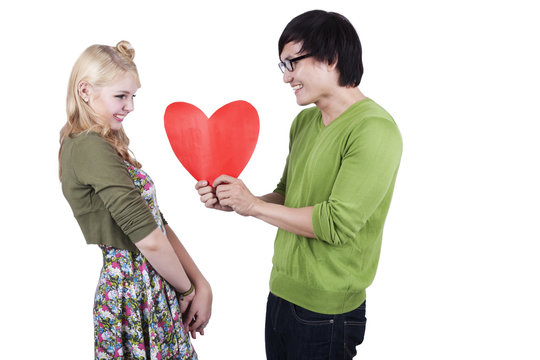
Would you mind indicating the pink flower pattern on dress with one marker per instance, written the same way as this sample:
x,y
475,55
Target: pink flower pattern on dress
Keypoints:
x,y
136,312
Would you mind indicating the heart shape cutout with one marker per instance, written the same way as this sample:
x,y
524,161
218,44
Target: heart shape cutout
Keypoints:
x,y
210,147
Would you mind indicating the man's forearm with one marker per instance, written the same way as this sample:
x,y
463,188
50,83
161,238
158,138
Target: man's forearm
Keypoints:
x,y
273,198
295,220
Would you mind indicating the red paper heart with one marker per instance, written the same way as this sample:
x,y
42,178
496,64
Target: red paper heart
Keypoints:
x,y
208,148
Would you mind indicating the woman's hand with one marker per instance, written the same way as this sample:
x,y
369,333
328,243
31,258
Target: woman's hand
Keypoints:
x,y
199,311
185,301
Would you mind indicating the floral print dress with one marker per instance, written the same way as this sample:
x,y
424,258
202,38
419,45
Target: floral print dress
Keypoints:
x,y
136,312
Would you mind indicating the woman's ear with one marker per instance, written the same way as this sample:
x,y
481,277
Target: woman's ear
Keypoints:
x,y
85,90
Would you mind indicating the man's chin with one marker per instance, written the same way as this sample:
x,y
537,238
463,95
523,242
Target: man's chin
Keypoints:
x,y
303,102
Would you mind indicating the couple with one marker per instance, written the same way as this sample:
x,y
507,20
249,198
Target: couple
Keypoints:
x,y
330,206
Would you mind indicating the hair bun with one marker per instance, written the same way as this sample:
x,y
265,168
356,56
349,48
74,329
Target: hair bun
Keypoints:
x,y
125,49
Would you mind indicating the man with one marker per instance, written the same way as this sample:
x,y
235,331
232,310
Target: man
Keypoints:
x,y
332,200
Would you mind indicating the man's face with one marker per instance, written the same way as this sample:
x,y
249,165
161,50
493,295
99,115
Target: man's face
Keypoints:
x,y
311,80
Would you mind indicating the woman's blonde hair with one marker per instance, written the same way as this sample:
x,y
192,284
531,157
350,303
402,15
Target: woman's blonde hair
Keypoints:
x,y
98,65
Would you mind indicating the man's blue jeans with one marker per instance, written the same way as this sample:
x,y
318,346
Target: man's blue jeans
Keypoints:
x,y
295,333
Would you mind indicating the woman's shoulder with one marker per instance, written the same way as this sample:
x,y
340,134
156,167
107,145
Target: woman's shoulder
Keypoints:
x,y
89,141
89,145
86,137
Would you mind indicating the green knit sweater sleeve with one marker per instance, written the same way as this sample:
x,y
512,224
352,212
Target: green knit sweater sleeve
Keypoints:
x,y
368,170
282,185
97,165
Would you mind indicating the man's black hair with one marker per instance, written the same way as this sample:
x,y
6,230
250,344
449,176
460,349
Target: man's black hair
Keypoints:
x,y
327,36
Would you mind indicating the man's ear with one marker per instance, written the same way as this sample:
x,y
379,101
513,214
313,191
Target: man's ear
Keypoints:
x,y
332,65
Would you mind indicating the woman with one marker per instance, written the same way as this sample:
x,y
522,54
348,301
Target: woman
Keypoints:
x,y
148,280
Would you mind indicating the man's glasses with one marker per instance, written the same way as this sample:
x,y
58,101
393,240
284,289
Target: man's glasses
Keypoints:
x,y
288,63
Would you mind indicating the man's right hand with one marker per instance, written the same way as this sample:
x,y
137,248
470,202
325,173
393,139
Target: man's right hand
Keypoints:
x,y
208,196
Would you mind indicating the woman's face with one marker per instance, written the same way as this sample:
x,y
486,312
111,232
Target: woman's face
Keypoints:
x,y
113,102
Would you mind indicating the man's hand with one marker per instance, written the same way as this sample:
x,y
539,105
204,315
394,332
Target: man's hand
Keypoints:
x,y
233,193
208,196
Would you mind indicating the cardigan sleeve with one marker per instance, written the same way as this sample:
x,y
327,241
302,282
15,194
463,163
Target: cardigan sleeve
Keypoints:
x,y
363,184
97,164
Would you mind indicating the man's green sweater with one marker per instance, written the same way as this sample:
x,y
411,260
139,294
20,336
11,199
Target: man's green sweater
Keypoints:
x,y
347,171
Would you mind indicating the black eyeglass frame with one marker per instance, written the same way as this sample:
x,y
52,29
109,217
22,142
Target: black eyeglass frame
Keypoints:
x,y
288,63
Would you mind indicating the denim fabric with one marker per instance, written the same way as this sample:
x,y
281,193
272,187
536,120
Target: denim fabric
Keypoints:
x,y
293,332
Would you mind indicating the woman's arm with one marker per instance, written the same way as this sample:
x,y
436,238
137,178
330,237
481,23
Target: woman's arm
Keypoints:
x,y
200,309
161,255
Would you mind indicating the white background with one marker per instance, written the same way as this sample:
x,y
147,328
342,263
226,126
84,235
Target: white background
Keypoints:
x,y
459,270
